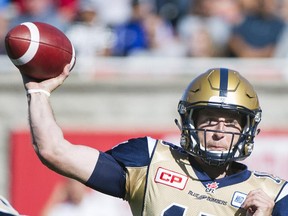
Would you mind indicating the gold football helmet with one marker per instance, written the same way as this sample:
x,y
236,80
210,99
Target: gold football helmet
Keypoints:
x,y
219,88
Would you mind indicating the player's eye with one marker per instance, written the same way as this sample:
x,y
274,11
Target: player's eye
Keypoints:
x,y
231,123
210,121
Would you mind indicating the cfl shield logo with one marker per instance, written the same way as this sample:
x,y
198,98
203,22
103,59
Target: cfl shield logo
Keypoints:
x,y
211,187
171,178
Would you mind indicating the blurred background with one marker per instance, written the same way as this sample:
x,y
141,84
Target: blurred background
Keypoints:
x,y
134,59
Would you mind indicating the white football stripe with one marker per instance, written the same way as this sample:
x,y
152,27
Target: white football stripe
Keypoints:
x,y
33,47
72,62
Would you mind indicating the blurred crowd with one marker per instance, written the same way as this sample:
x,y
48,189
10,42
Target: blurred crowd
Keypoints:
x,y
180,28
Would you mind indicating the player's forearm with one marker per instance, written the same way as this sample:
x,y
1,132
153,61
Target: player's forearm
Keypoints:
x,y
47,135
75,161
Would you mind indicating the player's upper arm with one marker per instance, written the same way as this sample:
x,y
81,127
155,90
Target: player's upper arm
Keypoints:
x,y
74,161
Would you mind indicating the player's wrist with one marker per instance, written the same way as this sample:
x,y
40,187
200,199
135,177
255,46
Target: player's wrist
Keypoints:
x,y
32,91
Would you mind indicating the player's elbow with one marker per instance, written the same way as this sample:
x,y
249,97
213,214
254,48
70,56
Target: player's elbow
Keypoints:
x,y
50,157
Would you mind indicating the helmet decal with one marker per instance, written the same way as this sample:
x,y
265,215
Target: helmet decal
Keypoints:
x,y
221,99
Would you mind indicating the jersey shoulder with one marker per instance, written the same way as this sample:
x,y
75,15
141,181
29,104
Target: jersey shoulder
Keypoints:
x,y
276,186
267,178
134,152
281,207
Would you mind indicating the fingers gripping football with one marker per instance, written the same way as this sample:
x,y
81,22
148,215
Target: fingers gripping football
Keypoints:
x,y
48,85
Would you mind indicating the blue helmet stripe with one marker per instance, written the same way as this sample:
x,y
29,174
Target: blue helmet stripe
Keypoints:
x,y
223,82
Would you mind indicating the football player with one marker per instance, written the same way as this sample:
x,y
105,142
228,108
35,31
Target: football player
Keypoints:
x,y
6,209
219,113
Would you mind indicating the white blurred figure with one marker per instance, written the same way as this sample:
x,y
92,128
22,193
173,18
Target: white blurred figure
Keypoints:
x,y
112,12
281,49
89,35
195,35
204,25
161,37
75,199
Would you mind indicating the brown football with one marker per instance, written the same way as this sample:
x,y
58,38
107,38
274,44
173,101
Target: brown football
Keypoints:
x,y
39,50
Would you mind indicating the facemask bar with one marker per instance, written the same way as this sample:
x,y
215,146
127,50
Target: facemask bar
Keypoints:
x,y
216,158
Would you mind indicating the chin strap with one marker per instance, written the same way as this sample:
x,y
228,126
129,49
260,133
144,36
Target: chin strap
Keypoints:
x,y
178,124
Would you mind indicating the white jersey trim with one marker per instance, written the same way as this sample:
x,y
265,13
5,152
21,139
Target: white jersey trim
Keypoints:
x,y
9,209
151,145
283,193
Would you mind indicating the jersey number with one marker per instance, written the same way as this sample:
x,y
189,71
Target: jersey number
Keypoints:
x,y
177,210
174,210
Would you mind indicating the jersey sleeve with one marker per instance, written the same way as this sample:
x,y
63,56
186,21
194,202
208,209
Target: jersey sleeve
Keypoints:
x,y
281,207
109,175
134,153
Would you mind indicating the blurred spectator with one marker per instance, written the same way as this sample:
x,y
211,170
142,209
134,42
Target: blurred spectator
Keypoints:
x,y
40,11
259,32
199,42
203,33
112,12
283,9
161,37
281,50
4,4
72,198
248,6
67,9
89,36
6,12
172,10
230,11
131,37
4,29
193,28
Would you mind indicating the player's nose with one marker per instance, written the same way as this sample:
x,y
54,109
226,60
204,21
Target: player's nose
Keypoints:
x,y
219,128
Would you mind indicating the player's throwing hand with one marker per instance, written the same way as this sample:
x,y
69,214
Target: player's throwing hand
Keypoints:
x,y
48,85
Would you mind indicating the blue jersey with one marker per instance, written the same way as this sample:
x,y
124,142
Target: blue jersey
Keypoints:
x,y
158,178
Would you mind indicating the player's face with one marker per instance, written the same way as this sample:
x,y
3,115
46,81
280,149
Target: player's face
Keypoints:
x,y
214,122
